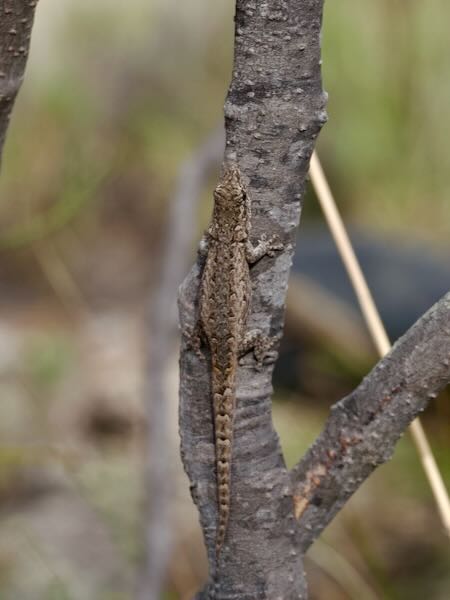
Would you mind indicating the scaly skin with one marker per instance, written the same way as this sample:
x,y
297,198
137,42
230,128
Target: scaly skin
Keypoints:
x,y
224,303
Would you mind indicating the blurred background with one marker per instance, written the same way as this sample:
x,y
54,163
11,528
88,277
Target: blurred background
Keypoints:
x,y
117,97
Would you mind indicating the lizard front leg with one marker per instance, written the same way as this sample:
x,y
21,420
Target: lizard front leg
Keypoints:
x,y
263,247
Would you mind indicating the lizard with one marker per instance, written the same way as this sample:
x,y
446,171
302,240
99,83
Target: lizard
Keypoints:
x,y
224,300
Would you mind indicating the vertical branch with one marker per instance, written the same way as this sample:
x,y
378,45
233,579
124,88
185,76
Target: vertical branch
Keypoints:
x,y
273,114
16,22
161,341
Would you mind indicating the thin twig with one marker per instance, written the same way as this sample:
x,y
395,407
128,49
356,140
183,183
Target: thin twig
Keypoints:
x,y
339,568
363,428
375,326
60,278
161,328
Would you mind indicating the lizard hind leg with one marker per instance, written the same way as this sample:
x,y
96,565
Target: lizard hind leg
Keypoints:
x,y
193,339
261,345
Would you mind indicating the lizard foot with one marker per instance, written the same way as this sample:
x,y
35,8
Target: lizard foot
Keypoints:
x,y
193,340
264,247
262,346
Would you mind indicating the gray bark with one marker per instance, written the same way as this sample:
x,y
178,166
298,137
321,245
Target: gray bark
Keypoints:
x,y
16,22
273,113
363,428
162,324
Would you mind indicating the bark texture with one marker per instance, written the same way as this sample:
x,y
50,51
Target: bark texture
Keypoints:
x,y
16,22
162,328
273,114
363,428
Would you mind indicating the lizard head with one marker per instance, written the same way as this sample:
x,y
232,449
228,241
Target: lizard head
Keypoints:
x,y
231,207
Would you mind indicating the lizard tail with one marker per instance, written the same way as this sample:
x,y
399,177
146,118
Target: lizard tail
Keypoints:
x,y
224,511
223,420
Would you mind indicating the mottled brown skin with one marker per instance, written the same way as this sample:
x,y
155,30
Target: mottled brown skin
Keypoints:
x,y
225,293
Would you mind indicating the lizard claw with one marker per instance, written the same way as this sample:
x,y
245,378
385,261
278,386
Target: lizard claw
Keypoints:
x,y
266,357
274,245
262,347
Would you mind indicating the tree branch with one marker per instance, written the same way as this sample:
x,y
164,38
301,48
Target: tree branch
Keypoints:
x,y
273,114
16,22
162,323
363,428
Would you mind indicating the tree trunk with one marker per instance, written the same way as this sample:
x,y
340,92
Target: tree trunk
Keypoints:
x,y
273,114
16,21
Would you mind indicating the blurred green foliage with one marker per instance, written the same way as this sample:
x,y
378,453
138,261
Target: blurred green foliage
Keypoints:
x,y
117,94
147,89
47,359
385,67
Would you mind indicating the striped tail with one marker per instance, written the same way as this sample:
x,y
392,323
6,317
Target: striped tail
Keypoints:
x,y
223,425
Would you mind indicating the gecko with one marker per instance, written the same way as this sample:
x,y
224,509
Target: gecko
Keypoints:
x,y
224,300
